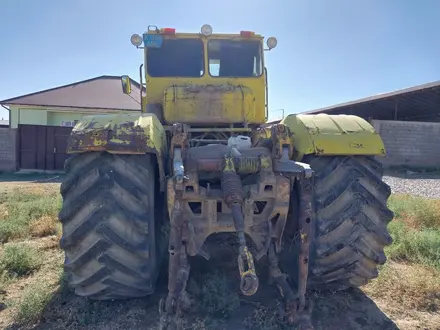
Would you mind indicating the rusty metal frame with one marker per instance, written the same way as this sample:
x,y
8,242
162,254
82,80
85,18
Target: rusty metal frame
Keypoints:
x,y
270,188
305,221
297,308
178,266
275,179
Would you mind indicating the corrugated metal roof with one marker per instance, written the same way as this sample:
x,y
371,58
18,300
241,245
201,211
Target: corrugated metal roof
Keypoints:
x,y
104,92
418,103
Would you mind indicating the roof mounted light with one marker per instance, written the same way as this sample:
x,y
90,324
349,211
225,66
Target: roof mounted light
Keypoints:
x,y
247,34
271,42
206,30
170,31
136,40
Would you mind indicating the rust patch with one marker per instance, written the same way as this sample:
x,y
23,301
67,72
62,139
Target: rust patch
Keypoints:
x,y
281,138
123,138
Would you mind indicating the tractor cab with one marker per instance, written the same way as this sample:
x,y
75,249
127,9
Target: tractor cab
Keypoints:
x,y
204,78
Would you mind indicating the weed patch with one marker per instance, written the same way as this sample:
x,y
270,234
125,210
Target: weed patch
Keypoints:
x,y
32,304
415,230
19,259
25,213
416,212
45,226
5,279
407,286
412,245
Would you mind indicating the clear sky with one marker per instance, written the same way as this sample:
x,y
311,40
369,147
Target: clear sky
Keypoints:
x,y
329,51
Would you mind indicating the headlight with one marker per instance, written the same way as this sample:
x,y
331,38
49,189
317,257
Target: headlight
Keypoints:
x,y
136,40
206,30
271,42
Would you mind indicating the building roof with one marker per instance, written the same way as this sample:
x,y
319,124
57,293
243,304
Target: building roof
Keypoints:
x,y
104,92
418,103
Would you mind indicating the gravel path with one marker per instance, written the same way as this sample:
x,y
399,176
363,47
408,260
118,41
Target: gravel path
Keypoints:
x,y
427,186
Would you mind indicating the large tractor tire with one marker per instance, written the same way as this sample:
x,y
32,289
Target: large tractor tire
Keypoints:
x,y
108,225
351,217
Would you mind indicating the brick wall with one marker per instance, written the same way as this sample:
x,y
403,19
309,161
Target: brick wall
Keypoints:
x,y
8,151
413,144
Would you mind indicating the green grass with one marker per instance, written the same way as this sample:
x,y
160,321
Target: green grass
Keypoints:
x,y
21,210
19,259
416,212
5,280
415,230
32,304
412,283
415,246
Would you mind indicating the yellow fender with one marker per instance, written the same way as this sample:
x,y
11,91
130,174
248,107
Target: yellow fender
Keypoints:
x,y
121,134
332,135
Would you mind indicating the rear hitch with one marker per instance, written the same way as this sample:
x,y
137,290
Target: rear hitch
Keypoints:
x,y
297,308
233,197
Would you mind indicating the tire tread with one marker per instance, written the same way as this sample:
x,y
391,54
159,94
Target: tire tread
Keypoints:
x,y
351,217
108,225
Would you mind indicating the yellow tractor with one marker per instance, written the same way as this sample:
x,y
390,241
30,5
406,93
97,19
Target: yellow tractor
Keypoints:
x,y
306,193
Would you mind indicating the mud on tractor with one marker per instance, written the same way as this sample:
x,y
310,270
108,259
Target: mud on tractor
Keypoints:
x,y
306,193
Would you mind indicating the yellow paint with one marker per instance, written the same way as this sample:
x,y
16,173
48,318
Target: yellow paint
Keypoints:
x,y
250,272
266,162
118,133
208,99
261,134
213,104
303,237
324,134
229,165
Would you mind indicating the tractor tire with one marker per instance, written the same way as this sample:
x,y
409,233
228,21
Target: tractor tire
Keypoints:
x,y
351,217
108,225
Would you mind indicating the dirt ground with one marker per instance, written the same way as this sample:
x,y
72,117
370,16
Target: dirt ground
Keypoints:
x,y
353,309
